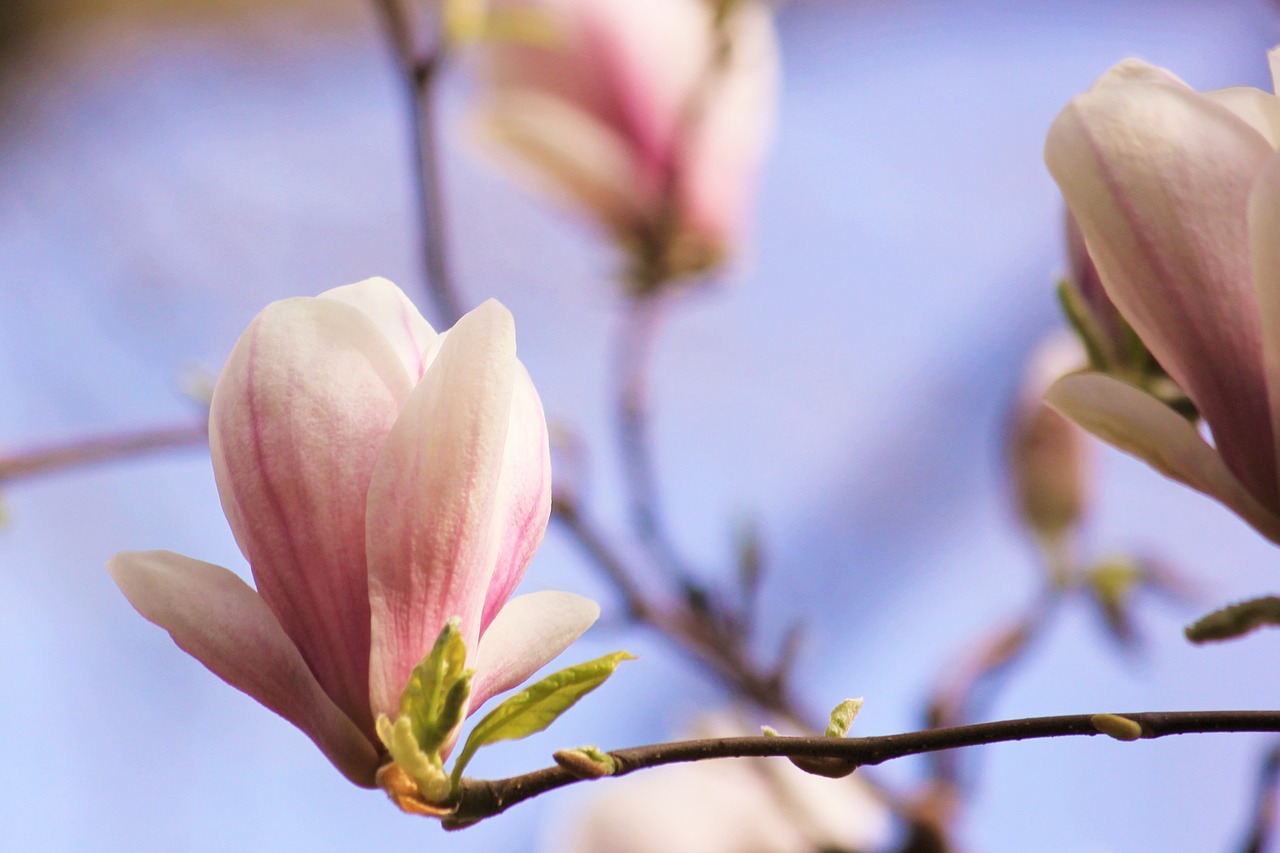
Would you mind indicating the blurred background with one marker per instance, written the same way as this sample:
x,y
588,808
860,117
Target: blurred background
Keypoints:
x,y
166,169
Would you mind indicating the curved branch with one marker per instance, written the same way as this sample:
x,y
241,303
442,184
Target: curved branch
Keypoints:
x,y
99,449
482,799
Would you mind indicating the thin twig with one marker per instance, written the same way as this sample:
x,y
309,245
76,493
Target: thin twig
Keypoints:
x,y
967,685
99,449
481,799
420,74
1264,804
678,622
632,362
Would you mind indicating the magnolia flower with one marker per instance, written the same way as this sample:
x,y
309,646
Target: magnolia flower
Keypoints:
x,y
631,112
1048,454
380,479
1178,196
763,805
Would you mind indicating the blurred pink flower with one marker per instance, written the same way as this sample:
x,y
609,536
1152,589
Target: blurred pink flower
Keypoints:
x,y
624,109
1048,455
1178,196
380,479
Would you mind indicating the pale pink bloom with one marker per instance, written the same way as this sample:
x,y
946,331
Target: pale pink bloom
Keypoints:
x,y
379,478
611,105
1178,196
1049,462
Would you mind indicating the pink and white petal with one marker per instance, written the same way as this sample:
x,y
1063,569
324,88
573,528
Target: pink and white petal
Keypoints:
x,y
1264,243
557,149
524,494
298,418
1261,110
531,631
221,622
720,167
1158,177
431,537
1141,425
396,316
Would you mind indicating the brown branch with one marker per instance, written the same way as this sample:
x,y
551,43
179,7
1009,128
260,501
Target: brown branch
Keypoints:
x,y
687,628
420,74
482,799
99,449
1264,804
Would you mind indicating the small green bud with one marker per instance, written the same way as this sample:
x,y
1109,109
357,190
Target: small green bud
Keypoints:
x,y
1235,620
587,762
1116,726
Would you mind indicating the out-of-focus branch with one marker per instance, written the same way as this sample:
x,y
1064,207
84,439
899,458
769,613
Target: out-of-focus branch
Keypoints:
x,y
481,799
99,449
1263,824
420,73
969,684
682,623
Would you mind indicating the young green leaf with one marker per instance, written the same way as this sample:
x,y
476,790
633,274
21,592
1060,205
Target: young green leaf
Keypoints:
x,y
536,707
435,698
842,717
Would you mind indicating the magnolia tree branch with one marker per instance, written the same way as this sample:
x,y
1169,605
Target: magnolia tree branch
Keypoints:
x,y
688,629
1263,817
482,799
967,685
420,73
108,448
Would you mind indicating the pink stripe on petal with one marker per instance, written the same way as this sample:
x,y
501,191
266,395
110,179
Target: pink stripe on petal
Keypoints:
x,y
1159,178
528,633
219,620
524,494
299,415
431,538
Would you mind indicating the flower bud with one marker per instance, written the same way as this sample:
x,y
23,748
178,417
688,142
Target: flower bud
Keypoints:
x,y
1047,454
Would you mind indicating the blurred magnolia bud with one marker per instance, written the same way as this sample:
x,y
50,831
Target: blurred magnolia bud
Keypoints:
x,y
1048,454
763,805
651,118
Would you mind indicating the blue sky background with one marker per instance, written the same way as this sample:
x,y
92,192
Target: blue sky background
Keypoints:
x,y
163,177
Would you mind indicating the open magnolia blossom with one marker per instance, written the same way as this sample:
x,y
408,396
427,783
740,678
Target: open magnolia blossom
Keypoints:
x,y
629,111
1177,193
383,481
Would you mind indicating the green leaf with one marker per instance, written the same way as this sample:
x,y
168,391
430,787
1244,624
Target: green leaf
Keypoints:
x,y
536,707
1235,620
435,698
842,717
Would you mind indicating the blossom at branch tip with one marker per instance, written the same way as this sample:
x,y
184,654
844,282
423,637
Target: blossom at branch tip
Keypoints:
x,y
1177,194
651,117
381,479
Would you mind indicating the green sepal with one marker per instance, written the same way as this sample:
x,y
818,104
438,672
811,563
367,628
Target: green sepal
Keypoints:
x,y
435,699
1081,319
537,706
1235,620
426,768
842,717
